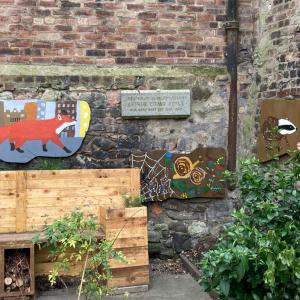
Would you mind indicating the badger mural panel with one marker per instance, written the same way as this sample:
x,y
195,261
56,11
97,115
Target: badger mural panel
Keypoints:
x,y
279,128
31,128
167,175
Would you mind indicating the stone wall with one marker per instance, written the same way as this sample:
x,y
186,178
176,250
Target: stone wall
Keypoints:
x,y
55,50
272,70
175,224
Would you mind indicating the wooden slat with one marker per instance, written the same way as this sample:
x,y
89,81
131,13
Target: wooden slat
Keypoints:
x,y
28,236
79,173
45,268
135,182
79,192
8,175
135,256
7,184
78,182
129,276
113,201
21,201
140,241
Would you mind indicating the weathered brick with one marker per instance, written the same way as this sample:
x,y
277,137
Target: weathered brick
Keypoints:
x,y
147,15
104,45
69,4
9,51
32,52
117,52
124,60
157,53
63,28
93,52
195,8
146,60
135,6
145,46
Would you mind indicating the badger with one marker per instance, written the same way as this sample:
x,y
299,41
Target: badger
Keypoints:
x,y
286,127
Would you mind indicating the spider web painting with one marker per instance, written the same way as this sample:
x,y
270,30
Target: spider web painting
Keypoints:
x,y
167,175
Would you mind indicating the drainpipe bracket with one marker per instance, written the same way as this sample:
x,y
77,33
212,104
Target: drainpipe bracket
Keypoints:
x,y
231,25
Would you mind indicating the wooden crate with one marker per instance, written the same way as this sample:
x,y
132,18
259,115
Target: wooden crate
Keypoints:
x,y
9,246
127,228
31,198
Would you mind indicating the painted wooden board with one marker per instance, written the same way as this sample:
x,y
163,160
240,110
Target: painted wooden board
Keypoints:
x,y
167,175
28,199
31,128
279,128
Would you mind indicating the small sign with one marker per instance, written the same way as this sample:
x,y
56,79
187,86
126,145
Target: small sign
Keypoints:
x,y
159,103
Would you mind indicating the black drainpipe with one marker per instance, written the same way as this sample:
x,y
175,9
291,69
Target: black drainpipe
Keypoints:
x,y
232,31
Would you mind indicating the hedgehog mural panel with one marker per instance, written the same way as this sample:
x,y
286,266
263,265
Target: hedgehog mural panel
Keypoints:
x,y
279,128
166,175
31,128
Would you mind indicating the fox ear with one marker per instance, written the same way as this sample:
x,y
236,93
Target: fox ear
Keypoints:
x,y
59,117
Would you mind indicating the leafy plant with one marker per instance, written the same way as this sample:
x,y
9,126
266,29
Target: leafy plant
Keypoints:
x,y
47,164
258,257
73,239
131,201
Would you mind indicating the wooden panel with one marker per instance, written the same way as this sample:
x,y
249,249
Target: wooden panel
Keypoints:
x,y
29,198
127,228
272,141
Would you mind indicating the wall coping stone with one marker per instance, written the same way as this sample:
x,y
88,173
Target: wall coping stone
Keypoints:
x,y
209,72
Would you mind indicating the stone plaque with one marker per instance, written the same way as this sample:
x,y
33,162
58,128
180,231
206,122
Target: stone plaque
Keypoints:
x,y
156,103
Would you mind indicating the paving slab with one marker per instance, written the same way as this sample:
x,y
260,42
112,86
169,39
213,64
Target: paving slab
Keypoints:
x,y
163,287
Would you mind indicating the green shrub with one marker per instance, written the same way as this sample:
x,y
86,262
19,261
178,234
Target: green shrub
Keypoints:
x,y
258,256
79,233
133,201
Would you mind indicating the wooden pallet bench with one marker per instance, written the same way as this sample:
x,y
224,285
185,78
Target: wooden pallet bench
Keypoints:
x,y
29,199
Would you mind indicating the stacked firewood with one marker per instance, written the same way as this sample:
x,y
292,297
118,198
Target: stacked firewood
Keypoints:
x,y
17,272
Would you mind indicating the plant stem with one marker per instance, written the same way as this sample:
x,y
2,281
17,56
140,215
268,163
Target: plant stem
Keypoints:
x,y
82,276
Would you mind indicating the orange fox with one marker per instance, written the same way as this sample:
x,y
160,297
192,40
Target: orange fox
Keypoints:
x,y
43,130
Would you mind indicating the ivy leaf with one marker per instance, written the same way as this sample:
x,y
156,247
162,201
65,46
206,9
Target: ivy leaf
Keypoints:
x,y
240,270
225,287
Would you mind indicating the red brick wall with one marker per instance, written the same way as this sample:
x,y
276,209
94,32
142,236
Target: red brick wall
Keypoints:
x,y
112,31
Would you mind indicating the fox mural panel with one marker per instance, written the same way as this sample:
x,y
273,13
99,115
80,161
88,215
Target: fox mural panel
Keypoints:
x,y
31,128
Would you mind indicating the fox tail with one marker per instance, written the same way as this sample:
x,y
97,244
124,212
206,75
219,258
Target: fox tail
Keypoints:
x,y
4,133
